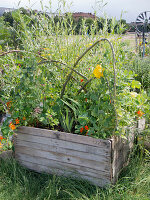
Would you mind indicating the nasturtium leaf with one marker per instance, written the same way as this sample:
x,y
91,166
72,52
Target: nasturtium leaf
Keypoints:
x,y
135,84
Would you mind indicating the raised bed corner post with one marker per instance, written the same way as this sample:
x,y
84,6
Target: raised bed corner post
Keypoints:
x,y
88,81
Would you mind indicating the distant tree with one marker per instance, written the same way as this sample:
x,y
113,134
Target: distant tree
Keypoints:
x,y
8,18
89,22
78,25
56,19
25,11
100,23
5,33
121,26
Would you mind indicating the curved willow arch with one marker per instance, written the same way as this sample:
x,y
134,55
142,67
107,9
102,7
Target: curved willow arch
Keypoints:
x,y
114,67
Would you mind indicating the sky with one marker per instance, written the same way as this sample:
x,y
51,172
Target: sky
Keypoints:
x,y
130,9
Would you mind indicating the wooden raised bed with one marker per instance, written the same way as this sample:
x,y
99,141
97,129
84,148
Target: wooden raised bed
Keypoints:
x,y
6,154
96,160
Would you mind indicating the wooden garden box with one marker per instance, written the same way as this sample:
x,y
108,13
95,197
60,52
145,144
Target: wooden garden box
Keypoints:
x,y
96,160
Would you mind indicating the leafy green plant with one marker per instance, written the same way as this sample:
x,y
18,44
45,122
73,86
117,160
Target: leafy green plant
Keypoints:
x,y
51,80
67,121
141,67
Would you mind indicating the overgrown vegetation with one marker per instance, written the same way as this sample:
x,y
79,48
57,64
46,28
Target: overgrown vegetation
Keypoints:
x,y
56,79
142,69
105,93
76,24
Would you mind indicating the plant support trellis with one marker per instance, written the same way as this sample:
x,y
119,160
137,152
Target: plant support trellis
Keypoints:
x,y
113,99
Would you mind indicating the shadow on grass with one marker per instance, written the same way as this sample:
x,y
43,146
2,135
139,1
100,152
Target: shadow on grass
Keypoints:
x,y
19,183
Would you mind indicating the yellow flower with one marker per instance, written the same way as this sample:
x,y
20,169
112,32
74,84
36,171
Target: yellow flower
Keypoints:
x,y
44,56
88,45
98,71
141,43
46,48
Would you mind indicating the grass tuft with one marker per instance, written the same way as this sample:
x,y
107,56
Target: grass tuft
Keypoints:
x,y
19,183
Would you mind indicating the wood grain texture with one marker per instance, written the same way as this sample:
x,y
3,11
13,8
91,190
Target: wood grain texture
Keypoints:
x,y
104,166
45,169
69,152
121,149
64,154
6,154
64,166
80,139
67,144
98,161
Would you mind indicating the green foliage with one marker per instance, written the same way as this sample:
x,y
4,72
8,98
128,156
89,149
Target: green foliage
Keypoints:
x,y
4,33
32,79
141,67
8,18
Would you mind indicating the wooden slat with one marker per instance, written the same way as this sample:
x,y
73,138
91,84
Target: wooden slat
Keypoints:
x,y
141,124
64,154
68,152
63,166
64,136
6,154
96,160
65,144
103,166
41,168
120,151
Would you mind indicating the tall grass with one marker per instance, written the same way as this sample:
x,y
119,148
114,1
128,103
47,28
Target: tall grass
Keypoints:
x,y
142,68
18,183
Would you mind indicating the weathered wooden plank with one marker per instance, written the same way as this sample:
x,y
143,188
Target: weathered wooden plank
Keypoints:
x,y
120,151
6,154
141,124
41,168
65,144
68,152
96,160
64,166
64,136
104,166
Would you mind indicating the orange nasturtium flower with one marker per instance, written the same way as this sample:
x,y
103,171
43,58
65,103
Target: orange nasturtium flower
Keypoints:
x,y
98,71
12,126
1,137
81,130
8,104
24,118
17,121
81,80
86,128
140,113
